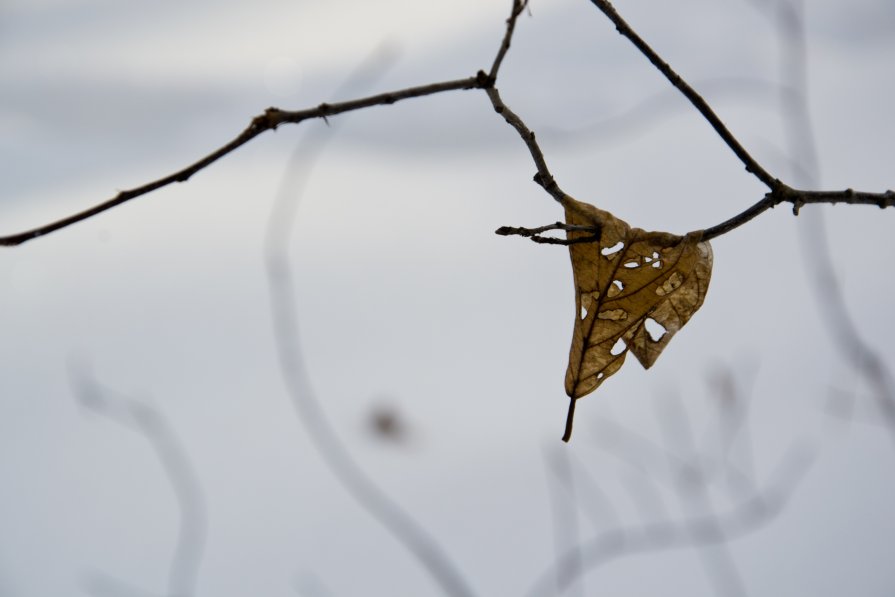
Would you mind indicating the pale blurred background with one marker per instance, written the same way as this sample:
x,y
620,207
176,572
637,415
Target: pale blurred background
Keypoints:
x,y
436,348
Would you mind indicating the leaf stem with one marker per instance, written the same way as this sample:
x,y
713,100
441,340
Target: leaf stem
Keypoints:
x,y
570,417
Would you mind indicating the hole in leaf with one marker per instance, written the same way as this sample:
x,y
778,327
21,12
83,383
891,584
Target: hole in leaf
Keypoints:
x,y
618,348
633,264
657,264
601,375
615,288
609,251
586,302
655,329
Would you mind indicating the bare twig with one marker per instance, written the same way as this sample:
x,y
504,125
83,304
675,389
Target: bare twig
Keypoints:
x,y
284,318
153,426
798,198
607,131
732,410
543,176
599,505
273,117
518,7
779,192
698,102
534,234
269,120
746,517
564,508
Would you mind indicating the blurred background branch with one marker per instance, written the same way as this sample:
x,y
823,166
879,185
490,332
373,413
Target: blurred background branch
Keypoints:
x,y
154,428
284,302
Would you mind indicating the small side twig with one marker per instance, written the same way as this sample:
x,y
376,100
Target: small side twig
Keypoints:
x,y
534,234
691,486
564,511
746,517
518,7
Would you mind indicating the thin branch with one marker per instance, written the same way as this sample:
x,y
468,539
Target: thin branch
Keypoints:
x,y
848,339
644,455
152,425
269,120
564,508
691,487
779,192
518,7
273,117
748,516
285,322
799,198
732,412
642,465
610,130
599,505
698,102
543,176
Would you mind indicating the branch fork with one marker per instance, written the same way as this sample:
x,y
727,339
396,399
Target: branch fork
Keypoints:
x,y
271,118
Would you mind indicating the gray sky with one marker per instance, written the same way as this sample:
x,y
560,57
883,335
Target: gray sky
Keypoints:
x,y
407,300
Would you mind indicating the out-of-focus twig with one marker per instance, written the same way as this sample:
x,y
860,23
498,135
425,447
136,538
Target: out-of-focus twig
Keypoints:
x,y
543,176
691,487
273,118
154,428
602,511
284,318
728,430
680,463
617,128
564,510
747,516
788,17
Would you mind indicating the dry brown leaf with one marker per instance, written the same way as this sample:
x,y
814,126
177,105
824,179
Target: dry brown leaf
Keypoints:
x,y
633,291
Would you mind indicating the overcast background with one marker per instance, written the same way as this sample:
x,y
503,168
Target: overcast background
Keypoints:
x,y
408,303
